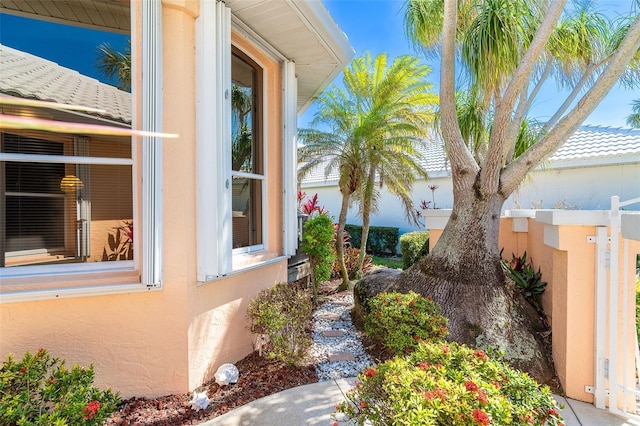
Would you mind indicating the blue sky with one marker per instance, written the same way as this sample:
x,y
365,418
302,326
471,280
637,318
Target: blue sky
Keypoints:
x,y
72,47
376,26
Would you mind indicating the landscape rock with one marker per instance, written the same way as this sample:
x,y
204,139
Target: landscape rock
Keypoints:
x,y
379,280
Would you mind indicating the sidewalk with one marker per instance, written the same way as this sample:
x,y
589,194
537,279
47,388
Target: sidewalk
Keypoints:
x,y
313,404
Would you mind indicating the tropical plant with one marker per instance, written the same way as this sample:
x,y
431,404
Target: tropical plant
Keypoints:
x,y
40,390
448,384
369,132
400,321
521,271
282,313
509,49
317,241
115,65
633,120
119,243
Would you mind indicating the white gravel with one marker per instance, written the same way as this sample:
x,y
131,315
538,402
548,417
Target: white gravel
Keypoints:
x,y
350,342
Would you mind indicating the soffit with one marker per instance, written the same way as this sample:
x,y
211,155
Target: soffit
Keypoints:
x,y
303,32
111,15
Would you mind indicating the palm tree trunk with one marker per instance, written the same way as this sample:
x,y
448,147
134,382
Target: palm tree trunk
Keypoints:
x,y
463,274
366,213
342,220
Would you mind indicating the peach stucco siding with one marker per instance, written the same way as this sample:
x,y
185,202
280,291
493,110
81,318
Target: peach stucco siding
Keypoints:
x,y
158,342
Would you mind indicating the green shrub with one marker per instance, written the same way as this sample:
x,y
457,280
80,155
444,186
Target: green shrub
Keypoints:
x,y
40,390
448,384
521,271
381,239
318,242
413,245
283,313
399,321
351,262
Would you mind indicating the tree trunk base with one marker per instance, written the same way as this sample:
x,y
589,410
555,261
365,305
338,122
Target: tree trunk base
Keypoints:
x,y
484,314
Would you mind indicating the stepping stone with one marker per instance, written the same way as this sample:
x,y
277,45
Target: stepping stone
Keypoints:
x,y
341,356
333,333
330,317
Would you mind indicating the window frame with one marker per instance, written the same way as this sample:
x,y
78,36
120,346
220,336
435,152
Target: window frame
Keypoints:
x,y
216,257
25,283
258,126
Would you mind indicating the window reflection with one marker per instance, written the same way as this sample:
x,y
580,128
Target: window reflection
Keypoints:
x,y
246,152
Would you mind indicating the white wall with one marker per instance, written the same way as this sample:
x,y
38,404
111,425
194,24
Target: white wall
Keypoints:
x,y
586,188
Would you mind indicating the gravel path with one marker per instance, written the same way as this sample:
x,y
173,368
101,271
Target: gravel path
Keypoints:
x,y
335,314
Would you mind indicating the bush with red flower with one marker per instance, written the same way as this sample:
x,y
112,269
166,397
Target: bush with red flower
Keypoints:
x,y
448,384
40,390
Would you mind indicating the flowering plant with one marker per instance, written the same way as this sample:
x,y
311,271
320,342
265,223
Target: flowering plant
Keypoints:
x,y
40,390
400,321
448,384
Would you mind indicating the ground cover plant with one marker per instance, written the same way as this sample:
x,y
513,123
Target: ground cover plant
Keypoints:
x,y
40,390
388,261
448,384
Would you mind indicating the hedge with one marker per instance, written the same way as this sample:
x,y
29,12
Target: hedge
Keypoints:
x,y
382,239
413,245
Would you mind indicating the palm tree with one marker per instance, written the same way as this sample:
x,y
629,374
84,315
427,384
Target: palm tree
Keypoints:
x,y
508,49
368,131
633,120
115,65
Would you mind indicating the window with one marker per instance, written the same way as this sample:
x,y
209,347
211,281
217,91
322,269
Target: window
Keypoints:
x,y
231,158
68,198
247,162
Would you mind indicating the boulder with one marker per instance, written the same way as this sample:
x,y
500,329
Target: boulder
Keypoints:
x,y
379,280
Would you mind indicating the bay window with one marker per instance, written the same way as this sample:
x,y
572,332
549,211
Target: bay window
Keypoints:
x,y
74,201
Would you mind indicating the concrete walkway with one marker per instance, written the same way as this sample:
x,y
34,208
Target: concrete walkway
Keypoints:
x,y
313,404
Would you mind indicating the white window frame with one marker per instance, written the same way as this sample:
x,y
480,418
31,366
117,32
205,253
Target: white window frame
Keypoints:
x,y
149,236
215,256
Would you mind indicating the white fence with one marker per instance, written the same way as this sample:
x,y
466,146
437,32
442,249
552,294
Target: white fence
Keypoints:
x,y
616,368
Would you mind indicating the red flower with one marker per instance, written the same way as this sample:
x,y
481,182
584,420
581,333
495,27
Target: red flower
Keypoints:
x,y
481,417
482,397
446,350
429,298
417,338
415,312
369,372
90,410
429,395
496,384
40,353
480,354
441,393
424,365
23,370
363,404
471,387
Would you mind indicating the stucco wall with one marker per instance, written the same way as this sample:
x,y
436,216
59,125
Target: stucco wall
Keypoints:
x,y
169,341
587,188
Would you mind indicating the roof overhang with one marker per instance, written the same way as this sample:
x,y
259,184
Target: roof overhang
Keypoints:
x,y
297,30
300,31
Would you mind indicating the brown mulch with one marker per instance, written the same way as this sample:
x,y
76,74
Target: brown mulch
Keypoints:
x,y
259,377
